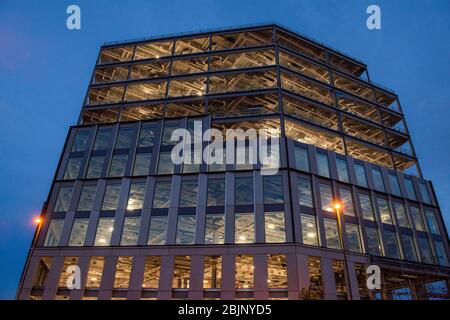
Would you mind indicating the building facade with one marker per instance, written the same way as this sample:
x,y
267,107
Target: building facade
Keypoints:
x,y
140,227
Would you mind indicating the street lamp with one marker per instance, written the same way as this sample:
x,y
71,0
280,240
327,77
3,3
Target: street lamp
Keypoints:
x,y
339,211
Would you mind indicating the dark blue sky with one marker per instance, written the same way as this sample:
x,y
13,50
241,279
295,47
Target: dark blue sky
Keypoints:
x,y
45,69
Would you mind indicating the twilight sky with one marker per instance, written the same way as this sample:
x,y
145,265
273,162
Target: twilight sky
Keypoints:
x,y
45,69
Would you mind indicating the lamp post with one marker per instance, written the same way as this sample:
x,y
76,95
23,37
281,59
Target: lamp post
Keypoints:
x,y
338,207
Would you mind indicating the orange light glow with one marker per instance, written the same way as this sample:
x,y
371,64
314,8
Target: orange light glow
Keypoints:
x,y
337,206
38,220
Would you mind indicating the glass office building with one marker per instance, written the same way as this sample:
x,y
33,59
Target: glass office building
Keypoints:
x,y
140,227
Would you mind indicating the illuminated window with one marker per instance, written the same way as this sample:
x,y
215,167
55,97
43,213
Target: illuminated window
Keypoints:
x,y
347,201
401,215
105,228
185,229
214,229
273,189
95,167
326,197
212,272
95,272
385,212
416,218
244,272
181,272
158,230
277,271
81,141
64,275
162,194
44,266
142,164
339,278
309,230
216,192
275,228
136,196
78,233
54,233
366,207
315,289
305,193
152,271
111,197
390,244
118,165
130,232
123,271
153,50
373,241
63,200
188,193
244,227
87,198
72,168
431,220
332,234
243,190
323,166
353,239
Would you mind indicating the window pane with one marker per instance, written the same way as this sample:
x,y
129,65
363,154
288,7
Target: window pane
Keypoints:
x,y
244,228
216,192
162,195
118,165
331,234
87,198
366,207
111,197
390,242
347,201
94,276
395,187
244,190
167,134
165,164
130,232
410,188
214,229
273,189
54,233
124,137
309,230
136,196
361,178
64,275
78,233
244,272
81,141
63,200
353,240
373,241
123,271
275,228
301,159
104,232
326,197
385,212
277,271
181,272
401,215
424,192
95,167
409,249
212,272
102,139
440,253
425,250
142,164
147,136
417,218
186,229
152,271
72,169
188,193
323,167
158,230
342,170
378,179
305,193
432,223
